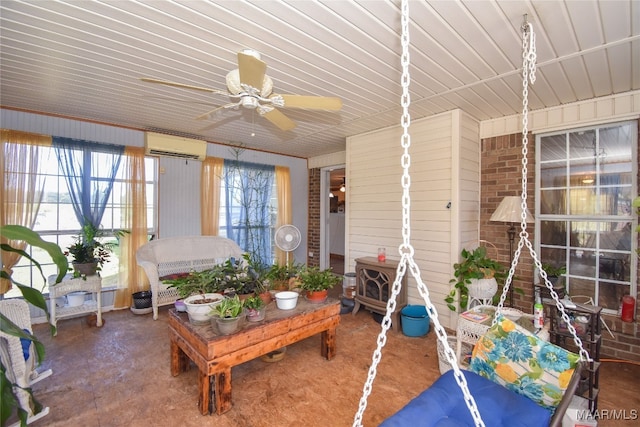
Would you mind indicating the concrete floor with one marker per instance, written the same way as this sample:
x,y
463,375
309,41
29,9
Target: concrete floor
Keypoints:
x,y
118,375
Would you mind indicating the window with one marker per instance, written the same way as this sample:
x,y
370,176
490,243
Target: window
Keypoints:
x,y
248,208
56,220
586,182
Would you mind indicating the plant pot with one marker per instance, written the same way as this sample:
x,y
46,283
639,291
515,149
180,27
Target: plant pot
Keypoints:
x,y
256,314
287,300
483,288
141,299
227,325
280,285
76,299
198,310
88,268
266,297
317,296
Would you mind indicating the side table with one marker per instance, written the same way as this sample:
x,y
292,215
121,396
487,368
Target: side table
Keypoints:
x,y
70,284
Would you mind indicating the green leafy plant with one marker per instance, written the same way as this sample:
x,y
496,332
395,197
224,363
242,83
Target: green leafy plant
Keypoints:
x,y
254,302
9,402
280,276
242,276
228,307
232,276
553,271
474,265
87,248
197,282
314,279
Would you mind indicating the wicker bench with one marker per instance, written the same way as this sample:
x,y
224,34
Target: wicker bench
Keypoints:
x,y
162,257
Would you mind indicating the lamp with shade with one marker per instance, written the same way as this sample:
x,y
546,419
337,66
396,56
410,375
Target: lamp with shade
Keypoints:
x,y
510,211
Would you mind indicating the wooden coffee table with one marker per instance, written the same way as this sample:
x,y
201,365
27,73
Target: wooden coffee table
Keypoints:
x,y
215,355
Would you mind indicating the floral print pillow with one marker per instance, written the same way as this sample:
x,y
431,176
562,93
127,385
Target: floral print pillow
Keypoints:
x,y
513,357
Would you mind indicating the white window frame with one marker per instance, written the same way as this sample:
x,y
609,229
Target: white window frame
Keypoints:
x,y
633,217
25,273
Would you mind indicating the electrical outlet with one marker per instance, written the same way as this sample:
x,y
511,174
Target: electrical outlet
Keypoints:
x,y
310,254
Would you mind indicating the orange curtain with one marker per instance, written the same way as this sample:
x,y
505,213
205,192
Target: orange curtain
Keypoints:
x,y
20,188
131,277
210,179
285,216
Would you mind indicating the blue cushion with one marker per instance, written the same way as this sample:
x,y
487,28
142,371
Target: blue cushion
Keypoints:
x,y
443,405
25,345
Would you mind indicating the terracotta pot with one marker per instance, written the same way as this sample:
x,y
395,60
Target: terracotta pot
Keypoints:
x,y
317,296
88,268
266,297
280,285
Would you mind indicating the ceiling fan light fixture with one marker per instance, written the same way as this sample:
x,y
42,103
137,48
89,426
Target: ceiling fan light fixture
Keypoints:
x,y
249,102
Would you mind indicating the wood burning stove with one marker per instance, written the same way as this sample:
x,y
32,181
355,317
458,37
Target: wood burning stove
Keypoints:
x,y
374,282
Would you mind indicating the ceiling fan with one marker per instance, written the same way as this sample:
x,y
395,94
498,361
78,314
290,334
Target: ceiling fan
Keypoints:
x,y
249,87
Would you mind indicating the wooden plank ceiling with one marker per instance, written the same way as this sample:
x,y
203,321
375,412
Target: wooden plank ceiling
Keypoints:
x,y
84,59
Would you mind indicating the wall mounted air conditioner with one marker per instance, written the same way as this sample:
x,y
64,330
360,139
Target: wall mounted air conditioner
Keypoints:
x,y
174,146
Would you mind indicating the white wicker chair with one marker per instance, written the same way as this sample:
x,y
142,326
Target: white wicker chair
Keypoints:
x,y
172,255
20,371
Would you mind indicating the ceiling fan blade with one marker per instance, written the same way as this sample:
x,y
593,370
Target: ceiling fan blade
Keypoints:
x,y
183,101
312,102
251,70
277,118
183,86
208,114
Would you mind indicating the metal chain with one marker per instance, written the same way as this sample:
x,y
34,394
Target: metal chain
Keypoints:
x,y
529,77
406,253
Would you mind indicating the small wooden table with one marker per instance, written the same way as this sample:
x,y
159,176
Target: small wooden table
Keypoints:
x,y
215,355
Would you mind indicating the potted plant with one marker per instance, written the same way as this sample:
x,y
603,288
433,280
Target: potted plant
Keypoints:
x,y
256,308
553,272
227,314
200,291
283,277
196,282
242,277
316,283
89,253
11,402
476,274
555,275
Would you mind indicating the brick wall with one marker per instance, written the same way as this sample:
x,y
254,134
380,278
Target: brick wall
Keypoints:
x,y
313,236
501,175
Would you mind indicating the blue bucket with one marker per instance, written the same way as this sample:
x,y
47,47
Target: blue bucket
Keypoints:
x,y
415,320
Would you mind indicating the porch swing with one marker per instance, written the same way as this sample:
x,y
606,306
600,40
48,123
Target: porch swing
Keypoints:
x,y
514,377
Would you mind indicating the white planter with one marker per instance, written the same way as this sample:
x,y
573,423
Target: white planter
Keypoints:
x,y
483,288
76,299
287,300
199,313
